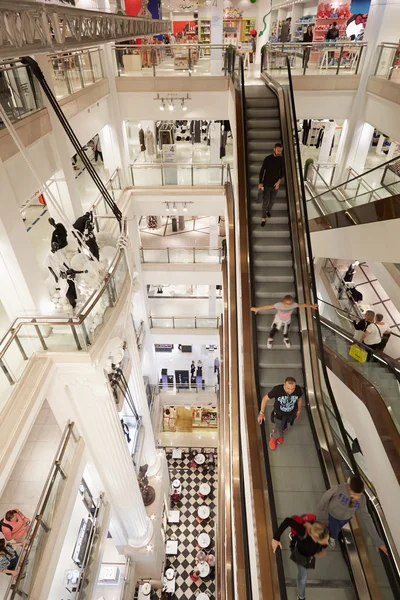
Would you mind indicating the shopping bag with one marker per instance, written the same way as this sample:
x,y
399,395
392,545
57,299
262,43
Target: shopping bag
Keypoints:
x,y
260,196
358,353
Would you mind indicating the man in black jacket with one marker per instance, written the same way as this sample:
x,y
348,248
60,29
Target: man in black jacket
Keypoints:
x,y
332,35
271,174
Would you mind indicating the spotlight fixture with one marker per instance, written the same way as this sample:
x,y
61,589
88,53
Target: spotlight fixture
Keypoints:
x,y
162,107
184,107
174,207
184,207
149,548
167,207
171,105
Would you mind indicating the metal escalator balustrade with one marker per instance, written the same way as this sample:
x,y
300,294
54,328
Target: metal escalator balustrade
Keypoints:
x,y
357,191
281,477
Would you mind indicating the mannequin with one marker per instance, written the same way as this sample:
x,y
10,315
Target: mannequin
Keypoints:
x,y
85,227
59,235
149,141
56,263
141,140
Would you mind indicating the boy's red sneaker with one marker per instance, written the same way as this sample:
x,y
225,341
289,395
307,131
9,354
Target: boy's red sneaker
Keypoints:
x,y
272,443
279,440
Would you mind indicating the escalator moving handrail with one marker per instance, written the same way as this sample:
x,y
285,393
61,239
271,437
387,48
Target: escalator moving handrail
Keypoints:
x,y
35,69
267,466
312,273
354,466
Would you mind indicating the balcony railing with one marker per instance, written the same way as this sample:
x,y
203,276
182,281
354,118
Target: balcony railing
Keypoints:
x,y
42,520
181,255
74,71
166,60
27,335
185,388
185,322
388,62
19,92
189,174
316,58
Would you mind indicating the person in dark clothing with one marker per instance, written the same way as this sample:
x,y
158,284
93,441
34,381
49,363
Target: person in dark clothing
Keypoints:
x,y
59,235
271,173
287,407
311,540
331,35
307,39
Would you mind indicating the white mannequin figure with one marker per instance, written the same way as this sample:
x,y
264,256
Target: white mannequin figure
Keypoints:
x,y
150,143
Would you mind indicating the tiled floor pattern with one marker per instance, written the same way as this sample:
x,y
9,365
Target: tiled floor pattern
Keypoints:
x,y
189,529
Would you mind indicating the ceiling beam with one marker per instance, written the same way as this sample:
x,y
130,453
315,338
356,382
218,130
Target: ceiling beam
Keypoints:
x,y
35,28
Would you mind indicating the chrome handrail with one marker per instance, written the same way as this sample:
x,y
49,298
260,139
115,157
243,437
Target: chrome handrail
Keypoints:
x,y
37,519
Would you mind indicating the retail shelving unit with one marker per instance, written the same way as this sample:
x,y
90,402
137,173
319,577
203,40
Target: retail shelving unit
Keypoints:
x,y
248,23
205,34
301,27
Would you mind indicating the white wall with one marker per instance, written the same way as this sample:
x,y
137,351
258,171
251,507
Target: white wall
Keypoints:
x,y
152,203
202,105
193,274
375,456
367,242
324,105
383,114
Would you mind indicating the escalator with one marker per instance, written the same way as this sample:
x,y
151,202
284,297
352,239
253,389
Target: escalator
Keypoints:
x,y
299,471
297,478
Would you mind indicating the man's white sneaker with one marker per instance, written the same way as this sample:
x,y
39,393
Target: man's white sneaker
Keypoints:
x,y
332,543
287,343
269,344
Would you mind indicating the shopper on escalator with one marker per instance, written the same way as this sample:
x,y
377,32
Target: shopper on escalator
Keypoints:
x,y
271,174
360,325
373,334
287,407
341,503
310,541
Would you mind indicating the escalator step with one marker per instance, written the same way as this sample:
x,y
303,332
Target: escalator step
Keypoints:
x,y
264,134
274,272
279,359
263,113
270,231
264,320
275,218
267,244
266,259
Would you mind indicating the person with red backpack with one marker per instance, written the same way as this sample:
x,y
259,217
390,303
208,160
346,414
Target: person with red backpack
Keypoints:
x,y
309,539
14,525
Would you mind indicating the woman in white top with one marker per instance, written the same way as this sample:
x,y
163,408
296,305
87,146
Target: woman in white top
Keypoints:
x,y
373,335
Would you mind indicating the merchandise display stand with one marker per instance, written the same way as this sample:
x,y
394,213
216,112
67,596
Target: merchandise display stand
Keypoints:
x,y
205,34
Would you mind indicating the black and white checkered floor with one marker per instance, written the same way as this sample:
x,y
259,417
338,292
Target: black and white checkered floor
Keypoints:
x,y
188,530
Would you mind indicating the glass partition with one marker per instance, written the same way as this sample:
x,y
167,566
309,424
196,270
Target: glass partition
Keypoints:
x,y
42,520
164,174
76,70
166,60
180,255
388,62
185,322
20,95
316,58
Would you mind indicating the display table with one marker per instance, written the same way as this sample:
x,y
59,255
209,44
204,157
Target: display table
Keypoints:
x,y
171,547
203,512
200,459
204,540
203,568
204,416
173,516
204,489
109,575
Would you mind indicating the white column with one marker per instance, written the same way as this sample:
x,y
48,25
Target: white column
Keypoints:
x,y
116,128
217,13
99,423
212,301
382,25
22,289
149,453
71,202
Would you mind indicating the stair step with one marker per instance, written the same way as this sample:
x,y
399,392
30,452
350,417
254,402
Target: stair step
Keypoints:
x,y
264,125
279,359
274,219
263,113
268,261
261,145
273,273
267,244
256,133
270,231
274,293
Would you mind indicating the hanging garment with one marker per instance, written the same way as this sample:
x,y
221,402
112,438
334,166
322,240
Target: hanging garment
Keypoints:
x,y
141,140
195,130
149,141
224,137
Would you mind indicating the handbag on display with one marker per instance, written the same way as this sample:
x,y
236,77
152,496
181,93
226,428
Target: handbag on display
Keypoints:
x,y
358,353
